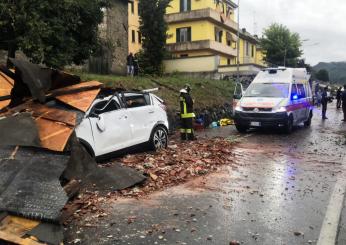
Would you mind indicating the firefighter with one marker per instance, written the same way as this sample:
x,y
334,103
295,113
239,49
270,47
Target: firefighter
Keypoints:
x,y
186,114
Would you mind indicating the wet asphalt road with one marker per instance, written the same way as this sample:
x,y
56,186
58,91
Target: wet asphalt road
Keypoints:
x,y
276,192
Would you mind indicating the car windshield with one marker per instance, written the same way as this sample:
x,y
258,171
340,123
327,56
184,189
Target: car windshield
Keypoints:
x,y
273,90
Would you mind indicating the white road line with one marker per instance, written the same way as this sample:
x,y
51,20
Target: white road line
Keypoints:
x,y
329,230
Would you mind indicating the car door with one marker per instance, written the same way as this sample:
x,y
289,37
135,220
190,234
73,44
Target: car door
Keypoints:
x,y
143,116
110,127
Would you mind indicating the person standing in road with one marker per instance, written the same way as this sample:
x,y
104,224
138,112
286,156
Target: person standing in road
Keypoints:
x,y
130,63
324,102
343,100
338,98
186,114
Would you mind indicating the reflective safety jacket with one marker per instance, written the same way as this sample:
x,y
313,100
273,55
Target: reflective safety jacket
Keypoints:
x,y
186,106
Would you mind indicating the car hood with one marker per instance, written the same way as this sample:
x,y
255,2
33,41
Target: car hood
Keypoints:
x,y
261,102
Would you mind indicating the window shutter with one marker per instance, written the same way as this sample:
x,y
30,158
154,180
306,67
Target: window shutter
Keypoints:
x,y
189,34
189,5
178,35
181,5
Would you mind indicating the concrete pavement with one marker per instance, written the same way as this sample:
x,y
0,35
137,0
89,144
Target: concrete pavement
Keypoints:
x,y
276,192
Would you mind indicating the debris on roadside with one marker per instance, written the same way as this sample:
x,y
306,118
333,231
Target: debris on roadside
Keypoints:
x,y
177,164
42,164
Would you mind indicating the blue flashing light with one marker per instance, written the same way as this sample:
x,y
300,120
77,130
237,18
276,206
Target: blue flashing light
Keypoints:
x,y
295,97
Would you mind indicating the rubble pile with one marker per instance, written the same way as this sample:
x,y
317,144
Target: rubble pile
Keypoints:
x,y
42,164
178,163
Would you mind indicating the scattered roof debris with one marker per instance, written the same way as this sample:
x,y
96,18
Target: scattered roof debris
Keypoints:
x,y
40,154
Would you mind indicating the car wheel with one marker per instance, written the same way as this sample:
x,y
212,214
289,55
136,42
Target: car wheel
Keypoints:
x,y
241,129
289,125
159,139
307,123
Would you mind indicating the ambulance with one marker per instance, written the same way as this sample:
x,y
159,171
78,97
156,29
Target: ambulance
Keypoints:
x,y
276,98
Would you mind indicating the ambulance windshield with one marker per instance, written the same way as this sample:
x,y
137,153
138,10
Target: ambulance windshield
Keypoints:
x,y
272,90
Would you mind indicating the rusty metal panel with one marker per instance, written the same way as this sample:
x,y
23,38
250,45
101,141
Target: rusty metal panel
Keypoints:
x,y
81,100
6,84
4,103
53,135
17,226
53,114
80,87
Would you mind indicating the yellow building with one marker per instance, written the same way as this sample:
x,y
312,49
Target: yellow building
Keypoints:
x,y
202,37
134,35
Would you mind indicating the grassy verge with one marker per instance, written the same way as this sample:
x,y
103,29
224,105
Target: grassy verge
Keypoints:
x,y
206,92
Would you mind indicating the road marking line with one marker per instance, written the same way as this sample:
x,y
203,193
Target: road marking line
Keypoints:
x,y
329,230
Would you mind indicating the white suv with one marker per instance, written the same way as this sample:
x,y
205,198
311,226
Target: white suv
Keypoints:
x,y
123,120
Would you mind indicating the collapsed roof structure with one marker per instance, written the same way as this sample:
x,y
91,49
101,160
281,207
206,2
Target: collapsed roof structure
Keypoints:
x,y
39,110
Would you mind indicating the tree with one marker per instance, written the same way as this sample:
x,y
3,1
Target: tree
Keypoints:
x,y
282,47
323,75
154,33
55,33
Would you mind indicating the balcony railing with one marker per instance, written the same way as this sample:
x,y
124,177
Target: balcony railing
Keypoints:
x,y
202,45
200,14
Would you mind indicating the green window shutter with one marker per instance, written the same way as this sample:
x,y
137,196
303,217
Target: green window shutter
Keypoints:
x,y
189,5
189,34
181,5
178,35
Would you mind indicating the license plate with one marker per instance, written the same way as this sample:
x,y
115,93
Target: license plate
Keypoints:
x,y
255,124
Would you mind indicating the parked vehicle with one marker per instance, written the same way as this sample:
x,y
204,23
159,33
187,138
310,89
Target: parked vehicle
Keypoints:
x,y
123,120
278,97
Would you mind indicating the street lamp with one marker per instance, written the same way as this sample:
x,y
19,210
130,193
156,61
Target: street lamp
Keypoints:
x,y
238,43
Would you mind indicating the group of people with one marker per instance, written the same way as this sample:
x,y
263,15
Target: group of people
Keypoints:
x,y
340,101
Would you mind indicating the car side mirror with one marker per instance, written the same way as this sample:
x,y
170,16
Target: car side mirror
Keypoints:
x,y
101,123
93,114
237,96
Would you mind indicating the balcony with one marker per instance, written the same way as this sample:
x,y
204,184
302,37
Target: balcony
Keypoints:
x,y
202,14
210,45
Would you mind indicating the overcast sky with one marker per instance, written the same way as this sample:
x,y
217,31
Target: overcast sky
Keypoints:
x,y
322,22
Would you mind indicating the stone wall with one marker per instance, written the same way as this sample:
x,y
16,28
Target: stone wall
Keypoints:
x,y
114,30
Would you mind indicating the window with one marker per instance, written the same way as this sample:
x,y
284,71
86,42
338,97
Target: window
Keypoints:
x,y
252,50
301,91
229,38
271,90
137,101
247,48
139,37
185,5
228,61
132,7
184,34
218,35
133,36
104,106
294,91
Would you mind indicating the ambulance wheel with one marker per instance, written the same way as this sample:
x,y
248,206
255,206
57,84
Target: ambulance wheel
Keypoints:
x,y
289,125
307,123
241,129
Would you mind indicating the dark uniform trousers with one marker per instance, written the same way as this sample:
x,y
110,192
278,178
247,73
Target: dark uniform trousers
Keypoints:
x,y
186,116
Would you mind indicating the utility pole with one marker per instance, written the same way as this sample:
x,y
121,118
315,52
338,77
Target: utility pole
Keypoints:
x,y
238,44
